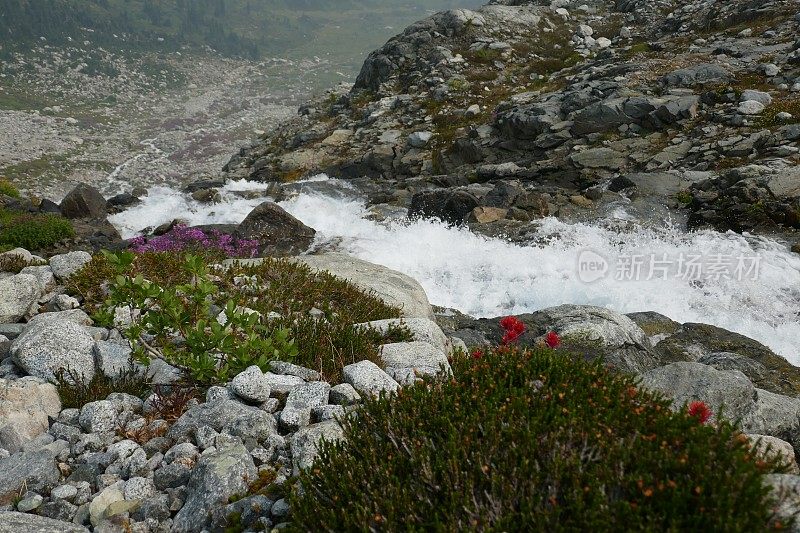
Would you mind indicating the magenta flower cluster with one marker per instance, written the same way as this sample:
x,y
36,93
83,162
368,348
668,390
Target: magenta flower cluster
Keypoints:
x,y
182,238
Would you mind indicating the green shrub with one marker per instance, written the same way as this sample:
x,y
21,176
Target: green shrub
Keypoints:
x,y
522,441
7,189
33,231
282,292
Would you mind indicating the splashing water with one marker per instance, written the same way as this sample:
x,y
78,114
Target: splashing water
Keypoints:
x,y
489,277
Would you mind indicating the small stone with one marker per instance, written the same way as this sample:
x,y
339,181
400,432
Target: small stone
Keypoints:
x,y
64,492
289,369
420,139
750,107
251,385
98,416
770,69
327,412
756,96
344,394
29,503
280,509
603,42
585,30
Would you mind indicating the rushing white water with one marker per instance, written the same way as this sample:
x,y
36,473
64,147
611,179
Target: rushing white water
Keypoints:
x,y
488,277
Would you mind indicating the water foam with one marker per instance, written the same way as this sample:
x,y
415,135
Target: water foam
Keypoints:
x,y
487,277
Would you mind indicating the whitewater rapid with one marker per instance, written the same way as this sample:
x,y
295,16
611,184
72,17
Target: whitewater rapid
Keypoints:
x,y
489,277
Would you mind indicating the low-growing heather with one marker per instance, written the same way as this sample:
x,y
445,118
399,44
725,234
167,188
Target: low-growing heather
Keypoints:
x,y
33,231
533,441
274,309
185,239
76,392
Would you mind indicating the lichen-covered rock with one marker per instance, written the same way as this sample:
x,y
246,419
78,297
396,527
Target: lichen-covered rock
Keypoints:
x,y
218,476
25,406
48,347
33,469
98,416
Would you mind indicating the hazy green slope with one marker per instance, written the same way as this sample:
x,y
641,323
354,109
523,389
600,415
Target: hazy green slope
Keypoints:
x,y
237,27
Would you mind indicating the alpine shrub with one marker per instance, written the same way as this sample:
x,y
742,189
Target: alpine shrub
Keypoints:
x,y
532,441
34,231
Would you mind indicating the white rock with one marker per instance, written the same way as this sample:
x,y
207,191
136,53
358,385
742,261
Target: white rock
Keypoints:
x,y
750,107
98,416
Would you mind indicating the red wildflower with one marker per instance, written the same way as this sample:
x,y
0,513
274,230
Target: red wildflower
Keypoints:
x,y
514,328
477,354
700,411
552,339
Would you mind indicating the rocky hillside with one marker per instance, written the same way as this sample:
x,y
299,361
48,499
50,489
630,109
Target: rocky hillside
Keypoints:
x,y
519,110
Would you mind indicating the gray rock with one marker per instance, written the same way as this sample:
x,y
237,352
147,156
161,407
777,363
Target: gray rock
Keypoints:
x,y
412,360
33,469
786,490
12,522
419,139
368,379
172,476
599,332
225,416
696,75
251,385
114,359
47,281
280,385
344,394
29,503
64,492
750,107
422,329
289,369
65,265
756,96
139,488
277,231
327,412
305,443
84,201
17,295
448,205
25,408
98,417
774,415
49,347
301,400
775,447
76,316
686,382
218,476
599,158
391,286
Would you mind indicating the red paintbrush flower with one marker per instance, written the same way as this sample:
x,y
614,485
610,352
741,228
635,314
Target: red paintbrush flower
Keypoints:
x,y
477,354
700,411
514,328
552,339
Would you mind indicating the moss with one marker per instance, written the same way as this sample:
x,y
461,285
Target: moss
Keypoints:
x,y
520,441
684,197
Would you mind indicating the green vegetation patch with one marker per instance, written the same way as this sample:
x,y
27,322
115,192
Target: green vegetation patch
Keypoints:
x,y
274,309
533,441
32,231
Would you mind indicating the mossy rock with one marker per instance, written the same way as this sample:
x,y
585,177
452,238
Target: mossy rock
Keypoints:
x,y
780,377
